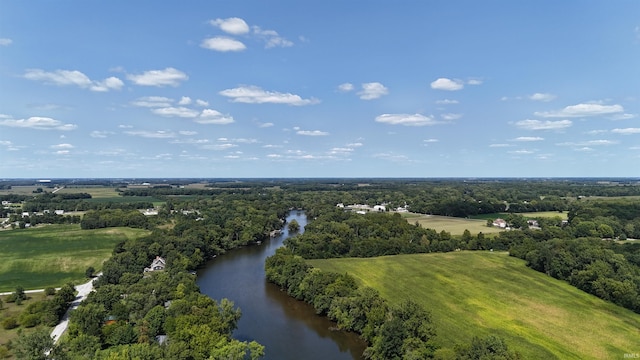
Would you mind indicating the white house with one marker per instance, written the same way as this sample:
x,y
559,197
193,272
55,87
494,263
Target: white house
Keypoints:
x,y
158,264
500,223
380,208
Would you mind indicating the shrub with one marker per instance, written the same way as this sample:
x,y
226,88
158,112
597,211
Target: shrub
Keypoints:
x,y
9,323
29,320
50,291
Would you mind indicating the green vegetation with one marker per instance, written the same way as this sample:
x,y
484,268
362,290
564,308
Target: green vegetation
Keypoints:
x,y
488,293
529,215
453,225
55,254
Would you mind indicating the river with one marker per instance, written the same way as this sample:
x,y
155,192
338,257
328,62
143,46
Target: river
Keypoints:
x,y
288,328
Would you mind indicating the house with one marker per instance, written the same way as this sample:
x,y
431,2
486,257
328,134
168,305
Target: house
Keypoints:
x,y
25,214
500,223
58,212
380,208
158,264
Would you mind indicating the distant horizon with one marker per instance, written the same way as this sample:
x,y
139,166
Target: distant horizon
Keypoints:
x,y
293,89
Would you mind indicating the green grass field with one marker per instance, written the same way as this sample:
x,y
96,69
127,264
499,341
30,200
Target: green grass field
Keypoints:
x,y
53,255
96,192
549,214
453,225
482,293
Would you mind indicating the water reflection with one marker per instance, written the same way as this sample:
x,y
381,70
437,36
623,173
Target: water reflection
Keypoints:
x,y
289,329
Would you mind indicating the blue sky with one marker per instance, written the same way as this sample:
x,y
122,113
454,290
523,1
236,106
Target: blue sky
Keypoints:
x,y
319,89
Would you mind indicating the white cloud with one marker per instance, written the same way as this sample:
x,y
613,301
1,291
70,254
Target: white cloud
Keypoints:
x,y
271,38
406,119
446,102
62,152
202,102
62,146
589,143
223,44
528,138
5,42
100,134
110,83
152,101
185,100
166,77
210,116
372,91
451,116
596,132
187,133
219,147
543,125
160,134
233,25
499,145
622,116
266,125
447,84
626,131
37,122
430,141
346,87
474,82
312,133
391,157
542,97
181,111
521,152
583,110
255,95
73,77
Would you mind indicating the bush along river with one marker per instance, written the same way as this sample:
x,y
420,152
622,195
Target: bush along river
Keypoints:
x,y
288,328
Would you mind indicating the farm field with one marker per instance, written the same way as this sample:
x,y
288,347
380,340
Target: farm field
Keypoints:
x,y
53,255
453,225
548,214
483,293
96,192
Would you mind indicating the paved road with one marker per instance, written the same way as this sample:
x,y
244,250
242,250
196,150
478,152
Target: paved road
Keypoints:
x,y
26,292
83,290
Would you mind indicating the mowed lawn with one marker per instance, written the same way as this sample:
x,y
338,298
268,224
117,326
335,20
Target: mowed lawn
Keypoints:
x,y
453,225
482,293
53,255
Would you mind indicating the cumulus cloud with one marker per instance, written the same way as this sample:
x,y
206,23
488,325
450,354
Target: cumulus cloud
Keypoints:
x,y
62,146
100,134
255,95
187,132
167,77
543,125
528,138
223,44
210,116
265,125
451,116
446,102
233,25
312,133
447,84
372,91
152,101
202,103
185,100
271,38
542,97
474,82
626,131
346,87
601,142
73,78
428,141
160,134
499,145
406,119
5,41
622,116
181,111
36,122
583,110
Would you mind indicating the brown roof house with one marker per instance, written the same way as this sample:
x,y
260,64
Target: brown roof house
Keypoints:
x,y
158,264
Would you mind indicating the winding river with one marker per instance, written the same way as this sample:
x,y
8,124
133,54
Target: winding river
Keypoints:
x,y
289,329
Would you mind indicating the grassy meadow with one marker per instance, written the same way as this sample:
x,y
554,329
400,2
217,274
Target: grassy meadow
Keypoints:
x,y
564,215
53,255
483,293
453,225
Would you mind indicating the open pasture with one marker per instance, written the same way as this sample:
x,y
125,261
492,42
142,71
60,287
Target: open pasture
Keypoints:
x,y
483,293
53,255
96,192
453,225
529,215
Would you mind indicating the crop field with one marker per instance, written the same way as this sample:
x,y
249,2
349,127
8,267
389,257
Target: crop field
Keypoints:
x,y
53,255
483,293
453,225
96,192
